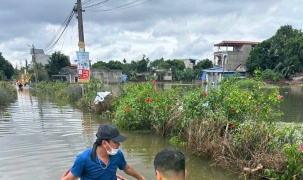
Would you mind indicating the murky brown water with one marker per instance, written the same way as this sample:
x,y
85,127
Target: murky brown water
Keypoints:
x,y
39,140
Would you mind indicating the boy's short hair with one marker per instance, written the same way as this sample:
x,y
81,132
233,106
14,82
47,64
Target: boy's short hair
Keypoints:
x,y
170,160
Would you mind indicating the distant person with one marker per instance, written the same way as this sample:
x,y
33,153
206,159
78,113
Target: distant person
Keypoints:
x,y
170,165
101,161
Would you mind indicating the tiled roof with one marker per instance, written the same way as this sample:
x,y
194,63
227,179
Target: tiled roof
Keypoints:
x,y
236,43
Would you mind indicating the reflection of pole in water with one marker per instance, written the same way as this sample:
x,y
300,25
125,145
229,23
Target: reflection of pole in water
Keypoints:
x,y
31,98
88,129
40,112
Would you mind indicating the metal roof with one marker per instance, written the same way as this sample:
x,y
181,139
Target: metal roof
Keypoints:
x,y
236,43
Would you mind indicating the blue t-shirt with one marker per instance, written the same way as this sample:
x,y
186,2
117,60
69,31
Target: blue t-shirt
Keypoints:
x,y
87,169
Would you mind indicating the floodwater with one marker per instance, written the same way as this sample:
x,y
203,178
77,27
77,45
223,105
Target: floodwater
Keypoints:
x,y
292,105
40,140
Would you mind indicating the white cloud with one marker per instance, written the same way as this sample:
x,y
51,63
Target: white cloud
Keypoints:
x,y
159,28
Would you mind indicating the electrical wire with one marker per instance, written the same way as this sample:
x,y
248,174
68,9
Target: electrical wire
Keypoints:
x,y
102,2
90,7
88,1
65,34
59,33
121,7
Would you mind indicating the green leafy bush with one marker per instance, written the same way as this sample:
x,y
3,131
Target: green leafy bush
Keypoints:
x,y
143,106
8,93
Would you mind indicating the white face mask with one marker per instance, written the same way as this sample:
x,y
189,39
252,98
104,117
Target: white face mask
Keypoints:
x,y
113,151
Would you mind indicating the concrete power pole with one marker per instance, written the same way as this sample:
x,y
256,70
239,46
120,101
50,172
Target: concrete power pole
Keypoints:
x,y
79,10
35,64
81,43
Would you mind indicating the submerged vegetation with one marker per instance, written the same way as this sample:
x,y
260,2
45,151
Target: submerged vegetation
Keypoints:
x,y
8,93
236,124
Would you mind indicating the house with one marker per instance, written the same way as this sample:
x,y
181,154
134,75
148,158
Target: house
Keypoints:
x,y
190,63
230,58
70,74
163,74
40,56
232,55
142,76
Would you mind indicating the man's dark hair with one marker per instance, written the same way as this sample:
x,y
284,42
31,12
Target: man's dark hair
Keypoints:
x,y
170,160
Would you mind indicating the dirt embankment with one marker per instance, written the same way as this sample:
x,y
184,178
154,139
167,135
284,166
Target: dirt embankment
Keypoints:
x,y
298,79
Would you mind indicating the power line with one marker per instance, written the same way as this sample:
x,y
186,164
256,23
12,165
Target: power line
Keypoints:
x,y
59,33
88,1
90,7
102,2
121,7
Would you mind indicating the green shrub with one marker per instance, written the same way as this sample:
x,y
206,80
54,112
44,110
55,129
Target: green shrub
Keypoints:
x,y
8,93
142,106
269,74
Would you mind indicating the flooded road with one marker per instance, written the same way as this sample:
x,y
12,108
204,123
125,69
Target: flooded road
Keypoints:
x,y
40,140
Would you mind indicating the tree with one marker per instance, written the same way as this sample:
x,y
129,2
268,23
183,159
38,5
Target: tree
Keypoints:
x,y
100,65
283,52
270,74
142,65
115,65
176,65
188,74
164,65
156,63
6,67
56,62
204,64
259,57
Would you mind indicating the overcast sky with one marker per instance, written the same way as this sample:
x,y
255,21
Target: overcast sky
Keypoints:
x,y
172,29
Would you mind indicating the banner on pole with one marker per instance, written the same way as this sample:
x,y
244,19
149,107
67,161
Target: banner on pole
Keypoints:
x,y
83,67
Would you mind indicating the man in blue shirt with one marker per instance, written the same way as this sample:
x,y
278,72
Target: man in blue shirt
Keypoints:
x,y
101,161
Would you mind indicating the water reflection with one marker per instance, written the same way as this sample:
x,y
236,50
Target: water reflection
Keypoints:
x,y
292,103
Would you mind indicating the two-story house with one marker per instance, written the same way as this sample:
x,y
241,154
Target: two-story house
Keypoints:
x,y
229,58
232,55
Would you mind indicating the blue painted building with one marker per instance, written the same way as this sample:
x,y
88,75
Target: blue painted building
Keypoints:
x,y
214,75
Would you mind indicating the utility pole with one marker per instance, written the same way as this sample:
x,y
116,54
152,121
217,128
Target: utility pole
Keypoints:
x,y
26,68
34,63
81,43
79,10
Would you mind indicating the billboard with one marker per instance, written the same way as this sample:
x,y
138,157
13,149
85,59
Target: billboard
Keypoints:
x,y
83,66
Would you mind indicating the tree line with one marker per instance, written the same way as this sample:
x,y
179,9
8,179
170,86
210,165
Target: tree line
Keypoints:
x,y
58,60
177,67
279,56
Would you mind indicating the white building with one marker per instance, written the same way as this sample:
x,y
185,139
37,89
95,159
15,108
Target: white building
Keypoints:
x,y
40,56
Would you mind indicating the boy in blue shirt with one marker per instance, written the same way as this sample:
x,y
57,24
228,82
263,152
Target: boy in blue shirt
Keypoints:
x,y
101,161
